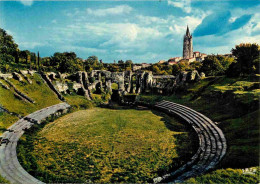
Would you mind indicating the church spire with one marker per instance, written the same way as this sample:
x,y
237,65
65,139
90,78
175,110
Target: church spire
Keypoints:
x,y
187,31
187,45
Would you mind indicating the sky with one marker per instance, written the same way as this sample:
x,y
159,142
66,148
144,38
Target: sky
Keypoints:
x,y
143,31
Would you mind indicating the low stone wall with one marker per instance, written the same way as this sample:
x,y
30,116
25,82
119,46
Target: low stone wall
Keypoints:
x,y
48,81
25,77
19,93
4,86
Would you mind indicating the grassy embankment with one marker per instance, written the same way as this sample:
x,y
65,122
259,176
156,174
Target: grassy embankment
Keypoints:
x,y
233,102
38,91
105,145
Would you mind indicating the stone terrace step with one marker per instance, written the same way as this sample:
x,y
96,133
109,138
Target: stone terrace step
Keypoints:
x,y
210,155
205,155
217,132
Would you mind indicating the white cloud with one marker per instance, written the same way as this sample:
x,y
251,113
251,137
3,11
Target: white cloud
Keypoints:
x,y
82,49
117,10
132,37
30,45
54,21
150,20
185,5
27,2
232,19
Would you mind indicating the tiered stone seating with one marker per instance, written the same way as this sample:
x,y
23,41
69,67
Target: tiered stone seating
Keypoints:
x,y
212,143
10,167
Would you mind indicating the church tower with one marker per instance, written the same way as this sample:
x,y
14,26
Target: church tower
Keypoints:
x,y
187,45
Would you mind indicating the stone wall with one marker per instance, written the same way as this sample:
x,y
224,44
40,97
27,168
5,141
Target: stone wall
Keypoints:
x,y
53,88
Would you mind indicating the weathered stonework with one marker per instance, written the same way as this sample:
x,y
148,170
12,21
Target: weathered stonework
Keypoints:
x,y
24,73
53,88
128,82
17,76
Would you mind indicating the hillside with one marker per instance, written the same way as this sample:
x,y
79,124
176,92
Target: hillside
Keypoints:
x,y
234,104
37,90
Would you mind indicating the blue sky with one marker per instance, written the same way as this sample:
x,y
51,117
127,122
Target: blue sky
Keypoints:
x,y
143,31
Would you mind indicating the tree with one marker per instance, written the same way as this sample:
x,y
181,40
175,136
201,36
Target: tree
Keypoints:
x,y
7,44
38,59
66,62
211,66
129,62
93,60
8,51
256,64
216,65
184,65
246,54
120,62
92,63
176,69
156,69
196,65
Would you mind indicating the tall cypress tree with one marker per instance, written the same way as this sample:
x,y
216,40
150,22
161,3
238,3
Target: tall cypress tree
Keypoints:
x,y
38,58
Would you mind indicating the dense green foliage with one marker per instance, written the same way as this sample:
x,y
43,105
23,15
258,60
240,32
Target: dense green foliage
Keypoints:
x,y
64,62
216,65
11,58
92,63
104,145
165,69
8,50
248,59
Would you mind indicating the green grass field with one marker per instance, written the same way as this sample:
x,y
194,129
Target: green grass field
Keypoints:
x,y
227,176
105,145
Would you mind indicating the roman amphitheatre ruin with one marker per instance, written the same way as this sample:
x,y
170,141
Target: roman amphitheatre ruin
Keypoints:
x,y
210,141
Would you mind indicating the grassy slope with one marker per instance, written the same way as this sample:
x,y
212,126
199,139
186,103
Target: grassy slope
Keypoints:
x,y
6,120
243,141
232,103
3,180
227,176
104,145
77,101
38,91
